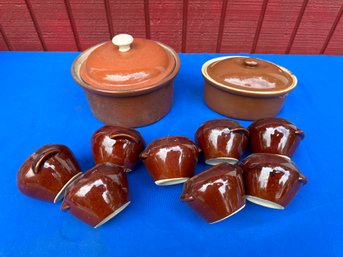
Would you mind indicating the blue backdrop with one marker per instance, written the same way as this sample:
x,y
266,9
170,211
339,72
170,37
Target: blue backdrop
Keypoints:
x,y
40,104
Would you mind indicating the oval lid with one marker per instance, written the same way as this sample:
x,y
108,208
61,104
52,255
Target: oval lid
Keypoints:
x,y
127,63
249,75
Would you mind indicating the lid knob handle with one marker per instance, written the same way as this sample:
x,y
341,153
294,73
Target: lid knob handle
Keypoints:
x,y
250,62
123,41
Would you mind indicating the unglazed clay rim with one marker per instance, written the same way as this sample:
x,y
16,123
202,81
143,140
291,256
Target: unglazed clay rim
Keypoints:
x,y
275,154
171,181
113,214
241,208
284,156
75,70
243,91
60,194
218,160
264,203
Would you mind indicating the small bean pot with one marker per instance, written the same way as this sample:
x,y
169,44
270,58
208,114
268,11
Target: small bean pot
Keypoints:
x,y
47,172
274,135
222,140
271,180
170,160
117,145
216,193
98,195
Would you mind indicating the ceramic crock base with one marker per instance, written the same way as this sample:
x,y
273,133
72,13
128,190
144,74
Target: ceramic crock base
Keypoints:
x,y
229,215
171,181
113,214
263,202
60,194
215,161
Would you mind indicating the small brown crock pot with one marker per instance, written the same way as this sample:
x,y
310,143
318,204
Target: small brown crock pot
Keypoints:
x,y
246,88
98,195
128,81
274,135
217,193
118,145
170,160
222,140
47,173
271,180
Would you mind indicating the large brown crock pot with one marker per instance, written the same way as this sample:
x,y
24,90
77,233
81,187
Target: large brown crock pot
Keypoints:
x,y
128,81
246,88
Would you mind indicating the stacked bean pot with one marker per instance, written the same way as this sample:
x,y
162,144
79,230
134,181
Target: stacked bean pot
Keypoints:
x,y
267,177
52,173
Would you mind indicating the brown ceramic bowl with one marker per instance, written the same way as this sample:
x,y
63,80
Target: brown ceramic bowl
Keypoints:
x,y
98,195
222,140
117,145
216,193
274,135
128,82
271,180
170,160
47,172
246,88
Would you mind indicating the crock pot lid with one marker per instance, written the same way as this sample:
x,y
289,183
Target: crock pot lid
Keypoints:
x,y
127,63
249,74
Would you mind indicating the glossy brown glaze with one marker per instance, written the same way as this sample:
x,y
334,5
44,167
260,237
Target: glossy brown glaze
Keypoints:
x,y
249,74
216,193
222,140
98,195
140,102
118,145
46,173
170,160
146,63
274,135
246,88
271,180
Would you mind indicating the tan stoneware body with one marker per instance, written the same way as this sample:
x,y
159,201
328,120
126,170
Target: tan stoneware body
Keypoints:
x,y
170,160
274,135
271,180
130,101
222,140
246,88
216,193
98,195
47,172
118,145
